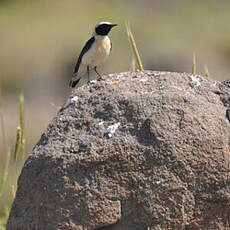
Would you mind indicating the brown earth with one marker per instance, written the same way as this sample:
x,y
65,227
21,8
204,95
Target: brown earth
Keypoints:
x,y
139,150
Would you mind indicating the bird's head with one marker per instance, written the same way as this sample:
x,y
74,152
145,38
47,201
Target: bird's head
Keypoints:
x,y
103,28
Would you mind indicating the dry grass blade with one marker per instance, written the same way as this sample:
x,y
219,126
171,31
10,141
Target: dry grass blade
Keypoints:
x,y
194,63
18,143
22,126
134,47
55,106
133,64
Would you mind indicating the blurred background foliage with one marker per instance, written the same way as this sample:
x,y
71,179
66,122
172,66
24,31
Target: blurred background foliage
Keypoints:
x,y
40,41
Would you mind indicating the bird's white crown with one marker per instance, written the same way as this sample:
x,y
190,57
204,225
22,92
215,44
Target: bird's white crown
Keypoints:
x,y
100,23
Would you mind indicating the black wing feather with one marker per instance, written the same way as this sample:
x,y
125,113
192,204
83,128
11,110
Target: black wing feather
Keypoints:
x,y
87,46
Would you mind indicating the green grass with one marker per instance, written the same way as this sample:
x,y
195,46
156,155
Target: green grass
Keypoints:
x,y
4,218
3,180
206,72
4,173
5,185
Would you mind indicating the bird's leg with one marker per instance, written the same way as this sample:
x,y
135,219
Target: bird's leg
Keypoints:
x,y
88,73
95,69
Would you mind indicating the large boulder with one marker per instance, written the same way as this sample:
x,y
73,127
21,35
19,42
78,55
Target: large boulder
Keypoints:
x,y
138,150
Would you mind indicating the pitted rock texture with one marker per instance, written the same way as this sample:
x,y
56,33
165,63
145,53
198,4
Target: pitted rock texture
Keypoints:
x,y
165,165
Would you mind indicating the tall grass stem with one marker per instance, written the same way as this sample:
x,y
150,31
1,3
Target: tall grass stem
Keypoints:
x,y
5,173
194,63
17,143
22,126
2,123
134,47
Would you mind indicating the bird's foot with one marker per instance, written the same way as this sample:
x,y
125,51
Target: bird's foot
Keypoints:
x,y
101,78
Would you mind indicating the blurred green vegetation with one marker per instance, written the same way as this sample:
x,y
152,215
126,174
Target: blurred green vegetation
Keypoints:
x,y
41,40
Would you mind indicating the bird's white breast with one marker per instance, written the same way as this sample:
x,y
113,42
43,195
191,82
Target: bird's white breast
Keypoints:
x,y
98,52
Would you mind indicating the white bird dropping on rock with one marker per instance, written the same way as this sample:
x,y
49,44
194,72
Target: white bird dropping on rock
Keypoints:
x,y
196,80
74,99
112,128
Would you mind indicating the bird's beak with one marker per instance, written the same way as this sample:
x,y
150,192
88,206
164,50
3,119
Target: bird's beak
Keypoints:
x,y
112,25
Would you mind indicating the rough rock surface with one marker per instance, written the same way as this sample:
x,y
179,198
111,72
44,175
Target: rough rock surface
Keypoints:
x,y
139,150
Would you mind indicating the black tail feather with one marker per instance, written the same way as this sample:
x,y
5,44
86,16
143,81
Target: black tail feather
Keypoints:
x,y
73,82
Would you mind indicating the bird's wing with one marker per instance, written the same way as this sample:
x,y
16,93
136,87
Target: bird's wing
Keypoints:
x,y
84,50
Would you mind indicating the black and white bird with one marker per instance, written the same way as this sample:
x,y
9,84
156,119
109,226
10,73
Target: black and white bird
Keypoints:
x,y
95,52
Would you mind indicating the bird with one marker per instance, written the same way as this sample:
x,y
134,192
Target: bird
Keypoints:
x,y
95,52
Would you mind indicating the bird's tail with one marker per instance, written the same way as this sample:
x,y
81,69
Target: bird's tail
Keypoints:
x,y
73,82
